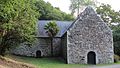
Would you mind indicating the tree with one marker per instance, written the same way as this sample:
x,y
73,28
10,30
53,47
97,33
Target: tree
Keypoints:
x,y
51,29
17,23
116,39
77,4
48,12
108,14
67,17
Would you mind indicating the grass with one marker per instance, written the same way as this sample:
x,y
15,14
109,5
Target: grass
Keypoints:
x,y
46,62
50,62
118,62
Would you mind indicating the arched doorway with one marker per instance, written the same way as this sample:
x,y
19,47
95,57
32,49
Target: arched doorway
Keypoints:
x,y
38,54
91,58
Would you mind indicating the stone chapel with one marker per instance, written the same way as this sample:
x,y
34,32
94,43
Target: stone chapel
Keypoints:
x,y
87,40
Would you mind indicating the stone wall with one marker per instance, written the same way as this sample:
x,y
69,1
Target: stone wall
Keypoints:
x,y
56,46
89,33
42,44
23,50
64,47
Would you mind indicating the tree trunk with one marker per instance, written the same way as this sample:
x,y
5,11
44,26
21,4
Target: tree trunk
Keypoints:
x,y
51,46
78,11
3,46
2,51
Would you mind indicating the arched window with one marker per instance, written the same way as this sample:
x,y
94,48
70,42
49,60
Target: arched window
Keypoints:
x,y
38,54
91,58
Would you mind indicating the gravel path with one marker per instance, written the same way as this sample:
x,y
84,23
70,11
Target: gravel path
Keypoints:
x,y
108,66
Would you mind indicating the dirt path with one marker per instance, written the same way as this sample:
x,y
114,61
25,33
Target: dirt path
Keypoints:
x,y
8,63
3,66
108,66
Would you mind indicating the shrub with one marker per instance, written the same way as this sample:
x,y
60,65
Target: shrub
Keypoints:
x,y
116,39
116,58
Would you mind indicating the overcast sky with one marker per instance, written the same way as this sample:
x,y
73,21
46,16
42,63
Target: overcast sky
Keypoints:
x,y
64,4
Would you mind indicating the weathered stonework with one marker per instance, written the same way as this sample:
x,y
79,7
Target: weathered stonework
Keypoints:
x,y
89,34
23,50
43,45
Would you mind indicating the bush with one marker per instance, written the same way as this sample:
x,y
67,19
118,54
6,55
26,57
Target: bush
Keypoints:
x,y
117,48
116,39
116,58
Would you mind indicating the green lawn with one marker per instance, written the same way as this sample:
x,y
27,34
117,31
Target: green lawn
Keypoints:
x,y
50,62
118,62
46,62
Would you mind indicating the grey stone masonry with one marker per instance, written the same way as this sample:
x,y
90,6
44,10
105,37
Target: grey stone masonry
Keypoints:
x,y
42,44
89,34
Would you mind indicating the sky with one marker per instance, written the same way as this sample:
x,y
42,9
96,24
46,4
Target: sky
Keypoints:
x,y
64,4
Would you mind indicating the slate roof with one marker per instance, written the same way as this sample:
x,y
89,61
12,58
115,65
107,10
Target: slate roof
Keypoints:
x,y
63,26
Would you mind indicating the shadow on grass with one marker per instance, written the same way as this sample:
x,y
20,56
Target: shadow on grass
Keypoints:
x,y
49,62
52,62
41,60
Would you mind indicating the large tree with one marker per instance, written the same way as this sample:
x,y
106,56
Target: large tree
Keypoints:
x,y
51,29
111,16
17,23
76,5
108,14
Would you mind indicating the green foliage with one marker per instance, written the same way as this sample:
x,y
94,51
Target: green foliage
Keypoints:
x,y
17,22
116,34
116,39
116,58
67,17
108,14
48,12
77,4
51,28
